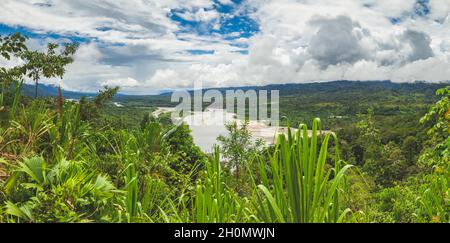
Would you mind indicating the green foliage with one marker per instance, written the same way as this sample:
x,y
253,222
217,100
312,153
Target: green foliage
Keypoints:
x,y
303,190
395,204
438,151
64,192
190,157
369,136
130,156
214,201
91,110
238,147
390,167
411,149
387,163
10,100
421,199
28,130
435,197
93,162
10,46
50,64
155,197
69,133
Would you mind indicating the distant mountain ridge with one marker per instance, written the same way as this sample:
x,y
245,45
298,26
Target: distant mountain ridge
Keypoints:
x,y
51,91
285,89
334,86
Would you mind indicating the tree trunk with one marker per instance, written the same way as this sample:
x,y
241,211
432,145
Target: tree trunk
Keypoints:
x,y
36,89
60,102
237,178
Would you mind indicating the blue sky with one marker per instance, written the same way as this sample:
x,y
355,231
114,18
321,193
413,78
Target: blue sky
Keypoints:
x,y
146,46
227,22
7,30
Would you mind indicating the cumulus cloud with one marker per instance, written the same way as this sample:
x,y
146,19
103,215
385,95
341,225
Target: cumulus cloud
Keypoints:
x,y
303,41
420,44
200,15
137,45
226,2
337,41
391,8
124,83
440,9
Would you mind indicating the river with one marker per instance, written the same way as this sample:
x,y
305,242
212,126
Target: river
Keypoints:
x,y
208,125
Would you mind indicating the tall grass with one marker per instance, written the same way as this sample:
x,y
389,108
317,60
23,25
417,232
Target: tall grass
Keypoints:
x,y
130,156
296,185
17,94
31,125
435,199
212,201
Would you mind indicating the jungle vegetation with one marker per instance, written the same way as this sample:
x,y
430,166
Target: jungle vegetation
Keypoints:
x,y
89,161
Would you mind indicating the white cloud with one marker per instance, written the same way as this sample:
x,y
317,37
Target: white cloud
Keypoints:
x,y
124,83
391,8
338,40
440,9
137,45
200,15
226,2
